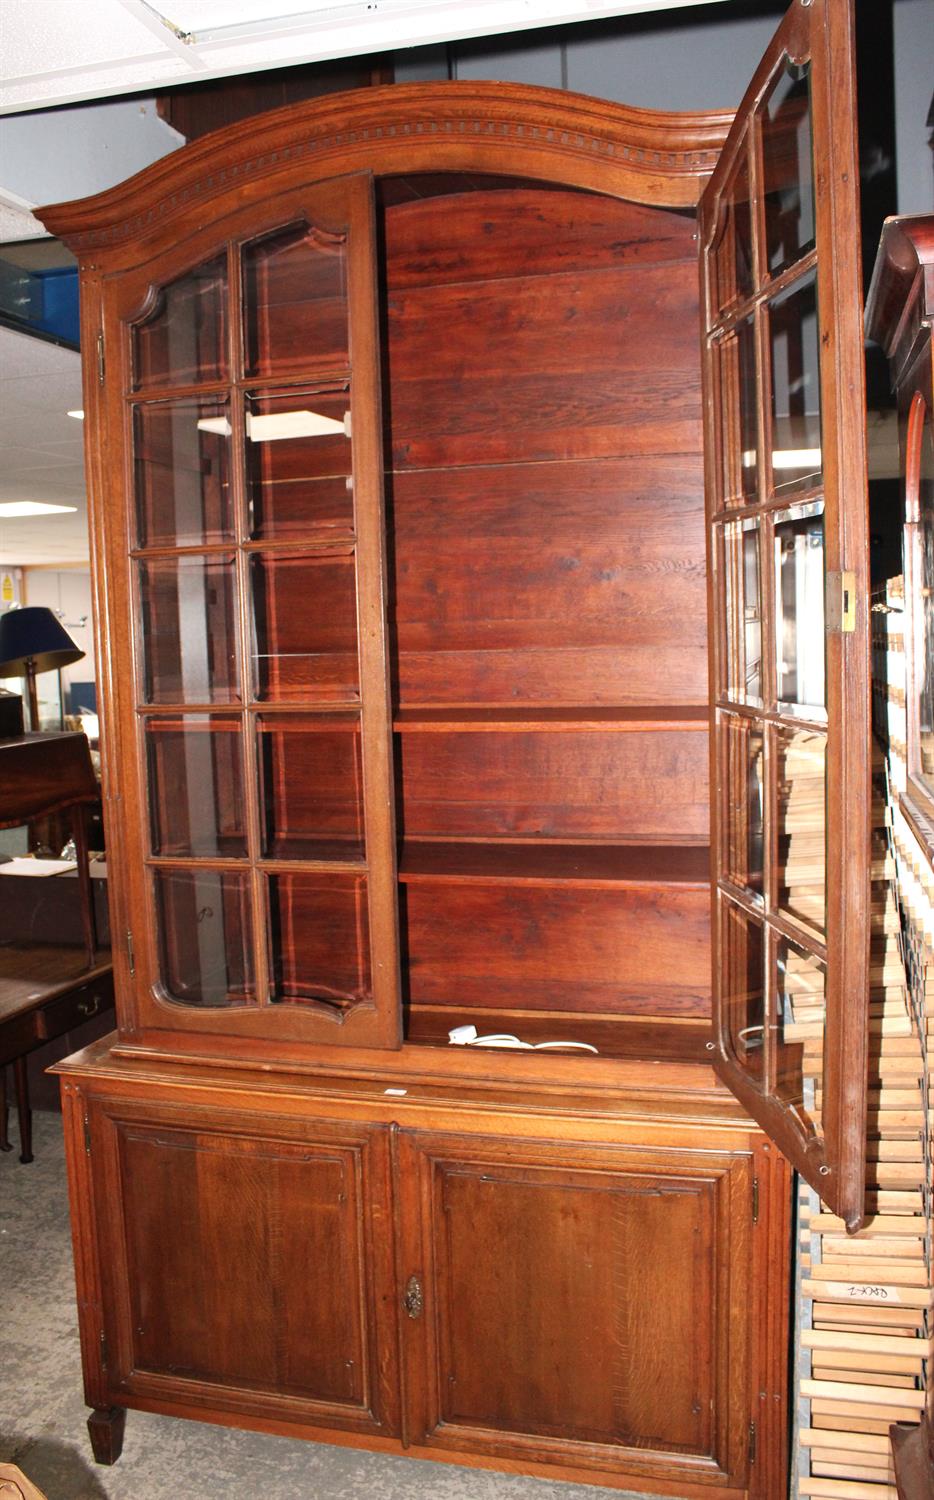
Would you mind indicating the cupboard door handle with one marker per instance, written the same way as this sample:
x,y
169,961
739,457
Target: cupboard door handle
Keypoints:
x,y
89,1007
413,1301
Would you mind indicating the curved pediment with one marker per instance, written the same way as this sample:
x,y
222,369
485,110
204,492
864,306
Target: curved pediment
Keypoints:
x,y
511,129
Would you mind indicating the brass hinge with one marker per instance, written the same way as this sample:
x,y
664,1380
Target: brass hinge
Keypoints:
x,y
131,959
753,1442
87,1136
100,359
103,1349
840,603
755,1200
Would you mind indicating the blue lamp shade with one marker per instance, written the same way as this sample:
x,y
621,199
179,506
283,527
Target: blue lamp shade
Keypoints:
x,y
34,640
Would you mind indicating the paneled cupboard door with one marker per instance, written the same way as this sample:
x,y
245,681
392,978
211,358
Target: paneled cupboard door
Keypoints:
x,y
786,490
248,553
592,1305
246,1265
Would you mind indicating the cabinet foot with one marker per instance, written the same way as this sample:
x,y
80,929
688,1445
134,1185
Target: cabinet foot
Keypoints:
x,y
106,1426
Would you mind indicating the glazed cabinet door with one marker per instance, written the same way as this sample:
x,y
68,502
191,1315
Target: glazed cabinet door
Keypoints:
x,y
786,486
586,1306
248,725
244,1266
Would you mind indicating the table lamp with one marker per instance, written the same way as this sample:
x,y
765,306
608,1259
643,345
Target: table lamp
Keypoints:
x,y
33,640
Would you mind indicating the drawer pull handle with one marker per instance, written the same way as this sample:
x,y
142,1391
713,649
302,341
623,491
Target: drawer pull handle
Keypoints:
x,y
89,1007
413,1300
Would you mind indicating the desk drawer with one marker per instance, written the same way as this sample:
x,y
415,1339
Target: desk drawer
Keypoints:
x,y
72,1009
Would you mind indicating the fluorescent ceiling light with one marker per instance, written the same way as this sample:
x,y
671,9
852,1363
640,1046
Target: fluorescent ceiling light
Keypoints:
x,y
272,427
32,508
788,458
78,415
276,425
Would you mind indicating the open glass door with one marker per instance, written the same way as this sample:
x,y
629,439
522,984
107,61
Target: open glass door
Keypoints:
x,y
787,552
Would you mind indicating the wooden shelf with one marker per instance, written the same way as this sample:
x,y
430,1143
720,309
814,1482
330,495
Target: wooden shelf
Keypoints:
x,y
492,718
598,865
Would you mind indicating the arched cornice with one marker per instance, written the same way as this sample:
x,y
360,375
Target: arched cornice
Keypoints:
x,y
510,129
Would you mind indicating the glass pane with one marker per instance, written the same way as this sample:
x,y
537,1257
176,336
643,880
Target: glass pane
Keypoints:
x,y
298,461
181,453
742,987
744,612
184,339
743,751
295,292
738,402
796,420
801,846
924,667
800,985
196,786
311,787
189,630
306,627
733,254
205,936
799,610
319,939
787,165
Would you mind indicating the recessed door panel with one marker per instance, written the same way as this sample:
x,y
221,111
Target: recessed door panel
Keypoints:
x,y
244,1267
587,1303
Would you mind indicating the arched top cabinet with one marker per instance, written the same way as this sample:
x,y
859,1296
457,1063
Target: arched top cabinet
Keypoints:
x,y
433,695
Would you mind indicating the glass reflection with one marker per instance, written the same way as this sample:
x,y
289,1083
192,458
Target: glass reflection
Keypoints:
x,y
788,168
189,630
798,1022
311,787
795,448
184,340
295,294
743,751
196,786
799,610
744,612
305,626
181,454
733,254
298,460
742,988
801,843
205,938
319,939
736,361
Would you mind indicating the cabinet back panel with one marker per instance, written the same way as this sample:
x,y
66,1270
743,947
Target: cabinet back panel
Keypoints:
x,y
478,236
625,952
648,785
546,484
529,572
294,1208
545,368
532,1264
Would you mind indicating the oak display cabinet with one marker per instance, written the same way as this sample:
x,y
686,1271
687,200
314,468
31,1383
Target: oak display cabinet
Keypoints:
x,y
435,697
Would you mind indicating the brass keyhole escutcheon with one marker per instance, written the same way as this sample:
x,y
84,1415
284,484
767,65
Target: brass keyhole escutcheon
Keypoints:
x,y
413,1301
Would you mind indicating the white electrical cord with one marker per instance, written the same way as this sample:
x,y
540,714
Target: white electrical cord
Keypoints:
x,y
467,1036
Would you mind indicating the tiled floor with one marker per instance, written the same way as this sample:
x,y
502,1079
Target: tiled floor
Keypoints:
x,y
42,1414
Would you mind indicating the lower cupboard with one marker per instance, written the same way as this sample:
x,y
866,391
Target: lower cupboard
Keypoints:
x,y
570,1291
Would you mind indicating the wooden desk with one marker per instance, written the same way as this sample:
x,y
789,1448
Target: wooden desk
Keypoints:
x,y
46,987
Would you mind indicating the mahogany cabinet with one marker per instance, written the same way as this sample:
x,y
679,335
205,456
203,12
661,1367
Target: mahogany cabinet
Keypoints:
x,y
441,705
